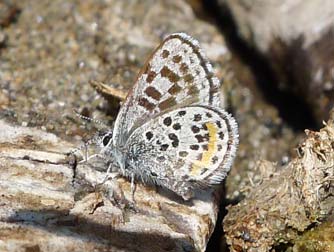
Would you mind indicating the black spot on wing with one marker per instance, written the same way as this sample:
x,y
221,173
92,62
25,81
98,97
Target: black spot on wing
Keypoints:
x,y
183,153
164,147
161,158
197,117
194,146
149,135
221,135
177,126
214,159
195,129
181,113
201,138
174,138
204,170
167,121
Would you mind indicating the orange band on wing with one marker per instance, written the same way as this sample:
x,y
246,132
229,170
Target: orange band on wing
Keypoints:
x,y
198,165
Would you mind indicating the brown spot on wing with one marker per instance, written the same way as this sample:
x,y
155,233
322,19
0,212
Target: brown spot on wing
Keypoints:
x,y
184,68
170,102
165,53
192,90
188,78
177,58
153,93
150,76
199,156
167,73
174,89
146,104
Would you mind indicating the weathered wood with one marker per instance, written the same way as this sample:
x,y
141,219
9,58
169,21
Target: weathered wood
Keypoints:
x,y
50,203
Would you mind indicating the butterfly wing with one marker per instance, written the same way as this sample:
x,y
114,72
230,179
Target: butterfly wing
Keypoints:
x,y
197,148
176,74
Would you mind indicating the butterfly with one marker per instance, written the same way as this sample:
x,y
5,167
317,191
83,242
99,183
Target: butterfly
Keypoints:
x,y
171,130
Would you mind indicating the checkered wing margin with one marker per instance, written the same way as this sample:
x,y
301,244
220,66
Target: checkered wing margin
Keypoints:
x,y
177,74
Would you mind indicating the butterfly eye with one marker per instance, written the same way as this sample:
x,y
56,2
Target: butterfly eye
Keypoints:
x,y
106,139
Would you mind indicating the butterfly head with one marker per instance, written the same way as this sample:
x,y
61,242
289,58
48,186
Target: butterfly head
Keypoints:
x,y
104,140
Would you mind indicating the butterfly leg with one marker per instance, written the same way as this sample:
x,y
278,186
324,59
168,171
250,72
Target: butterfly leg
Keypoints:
x,y
131,204
113,193
85,154
116,195
110,174
90,157
112,188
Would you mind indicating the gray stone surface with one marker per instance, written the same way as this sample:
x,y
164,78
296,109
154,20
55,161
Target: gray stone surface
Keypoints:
x,y
296,37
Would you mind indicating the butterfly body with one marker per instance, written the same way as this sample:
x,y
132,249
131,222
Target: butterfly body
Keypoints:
x,y
171,129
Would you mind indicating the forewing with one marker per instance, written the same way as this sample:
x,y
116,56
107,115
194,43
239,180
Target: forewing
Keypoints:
x,y
177,74
197,147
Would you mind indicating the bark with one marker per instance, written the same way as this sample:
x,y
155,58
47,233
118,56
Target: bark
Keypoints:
x,y
50,202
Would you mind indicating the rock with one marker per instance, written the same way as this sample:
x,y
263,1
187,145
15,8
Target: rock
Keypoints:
x,y
296,37
288,200
319,238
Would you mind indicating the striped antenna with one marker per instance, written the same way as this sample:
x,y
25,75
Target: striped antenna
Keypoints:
x,y
91,141
90,119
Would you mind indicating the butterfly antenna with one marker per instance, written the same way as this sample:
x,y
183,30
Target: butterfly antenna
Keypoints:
x,y
89,119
